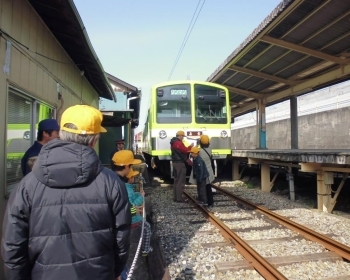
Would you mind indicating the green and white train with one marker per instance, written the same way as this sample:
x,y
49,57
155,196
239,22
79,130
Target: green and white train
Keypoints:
x,y
192,106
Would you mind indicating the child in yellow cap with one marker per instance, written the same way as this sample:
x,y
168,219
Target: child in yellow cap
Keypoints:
x,y
137,199
201,173
205,153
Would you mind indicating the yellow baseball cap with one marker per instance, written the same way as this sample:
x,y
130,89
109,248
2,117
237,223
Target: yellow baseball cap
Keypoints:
x,y
87,119
124,157
194,150
204,139
180,133
132,173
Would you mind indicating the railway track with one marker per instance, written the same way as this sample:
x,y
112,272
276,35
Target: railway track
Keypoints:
x,y
196,249
322,248
265,269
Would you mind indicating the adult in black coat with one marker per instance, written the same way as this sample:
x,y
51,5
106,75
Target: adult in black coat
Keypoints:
x,y
70,217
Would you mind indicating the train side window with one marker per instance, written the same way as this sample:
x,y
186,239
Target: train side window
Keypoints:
x,y
23,115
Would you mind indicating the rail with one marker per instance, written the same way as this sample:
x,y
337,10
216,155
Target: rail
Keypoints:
x,y
329,243
267,270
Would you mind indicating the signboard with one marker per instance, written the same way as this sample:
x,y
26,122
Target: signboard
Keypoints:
x,y
193,133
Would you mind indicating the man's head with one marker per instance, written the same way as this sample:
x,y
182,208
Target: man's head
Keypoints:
x,y
180,134
194,152
48,130
123,160
120,144
204,140
81,124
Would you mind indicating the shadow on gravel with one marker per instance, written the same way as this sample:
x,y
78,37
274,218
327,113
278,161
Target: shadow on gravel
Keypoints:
x,y
172,233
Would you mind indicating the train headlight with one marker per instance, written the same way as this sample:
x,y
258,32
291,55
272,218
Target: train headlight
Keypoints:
x,y
224,134
162,134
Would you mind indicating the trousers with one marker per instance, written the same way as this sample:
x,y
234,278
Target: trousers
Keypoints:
x,y
179,180
201,190
209,192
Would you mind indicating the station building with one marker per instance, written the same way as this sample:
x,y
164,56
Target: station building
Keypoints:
x,y
47,64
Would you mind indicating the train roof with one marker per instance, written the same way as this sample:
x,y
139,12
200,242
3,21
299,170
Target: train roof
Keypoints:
x,y
187,82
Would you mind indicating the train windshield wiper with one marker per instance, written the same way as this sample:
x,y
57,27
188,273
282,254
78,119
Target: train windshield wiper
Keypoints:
x,y
201,115
212,113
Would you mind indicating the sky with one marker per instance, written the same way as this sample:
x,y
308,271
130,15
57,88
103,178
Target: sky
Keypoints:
x,y
139,41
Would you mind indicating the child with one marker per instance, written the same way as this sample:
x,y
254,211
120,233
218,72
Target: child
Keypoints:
x,y
136,199
201,173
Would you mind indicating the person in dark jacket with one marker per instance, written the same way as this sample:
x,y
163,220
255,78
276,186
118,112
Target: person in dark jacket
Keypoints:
x,y
47,130
69,218
179,154
201,173
205,153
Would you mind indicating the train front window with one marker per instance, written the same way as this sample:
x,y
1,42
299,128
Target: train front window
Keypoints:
x,y
173,104
210,105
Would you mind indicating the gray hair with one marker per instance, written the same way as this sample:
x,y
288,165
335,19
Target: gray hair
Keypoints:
x,y
83,139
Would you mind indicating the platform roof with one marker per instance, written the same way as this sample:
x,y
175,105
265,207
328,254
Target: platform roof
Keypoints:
x,y
63,20
302,46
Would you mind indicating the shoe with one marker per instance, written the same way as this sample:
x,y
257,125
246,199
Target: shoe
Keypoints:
x,y
145,254
202,203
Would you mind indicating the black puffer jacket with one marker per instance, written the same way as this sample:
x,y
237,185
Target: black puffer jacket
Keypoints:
x,y
68,219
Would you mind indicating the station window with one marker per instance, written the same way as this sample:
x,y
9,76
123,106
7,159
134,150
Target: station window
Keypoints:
x,y
23,115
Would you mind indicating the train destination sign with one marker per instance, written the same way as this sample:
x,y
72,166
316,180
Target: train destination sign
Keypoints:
x,y
178,91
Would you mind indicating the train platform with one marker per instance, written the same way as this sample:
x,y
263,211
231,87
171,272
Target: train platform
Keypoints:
x,y
323,162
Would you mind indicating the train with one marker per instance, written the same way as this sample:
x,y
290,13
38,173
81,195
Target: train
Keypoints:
x,y
21,135
195,107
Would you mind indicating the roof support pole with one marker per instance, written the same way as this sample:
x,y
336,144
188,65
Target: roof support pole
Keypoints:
x,y
261,119
235,170
291,183
320,190
294,122
324,183
127,136
265,177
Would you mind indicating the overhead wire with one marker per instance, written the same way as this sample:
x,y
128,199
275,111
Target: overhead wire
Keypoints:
x,y
35,52
187,35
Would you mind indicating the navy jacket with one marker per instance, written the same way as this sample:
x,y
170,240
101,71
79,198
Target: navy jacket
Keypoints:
x,y
199,169
67,219
33,151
